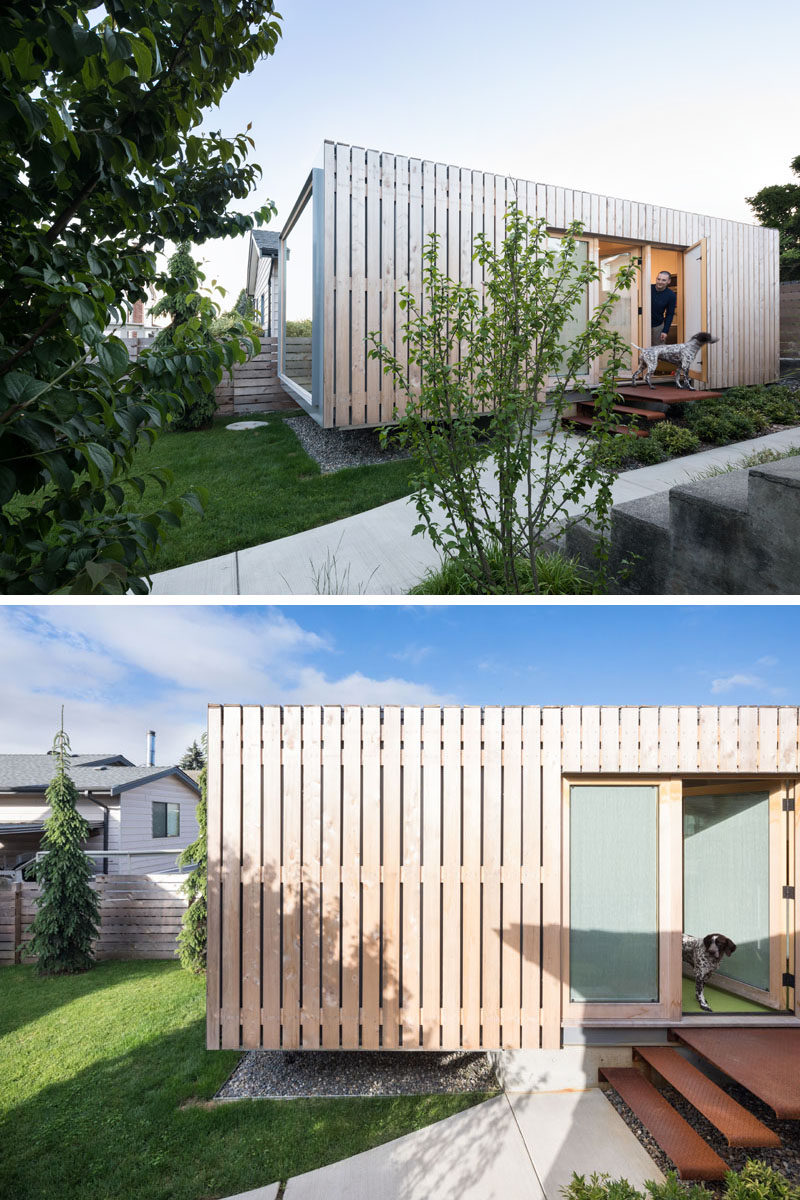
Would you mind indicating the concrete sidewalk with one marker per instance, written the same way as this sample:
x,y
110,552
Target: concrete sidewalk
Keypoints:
x,y
514,1147
375,552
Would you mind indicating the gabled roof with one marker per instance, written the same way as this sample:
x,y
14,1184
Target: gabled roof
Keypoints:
x,y
267,242
263,244
107,774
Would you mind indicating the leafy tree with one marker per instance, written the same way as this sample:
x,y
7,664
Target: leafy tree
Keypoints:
x,y
182,300
494,471
244,306
68,911
778,206
193,937
195,757
99,168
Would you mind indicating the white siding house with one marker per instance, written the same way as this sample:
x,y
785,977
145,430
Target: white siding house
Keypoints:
x,y
130,809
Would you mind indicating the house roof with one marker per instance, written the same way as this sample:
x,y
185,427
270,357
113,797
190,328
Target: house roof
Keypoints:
x,y
262,244
107,774
267,242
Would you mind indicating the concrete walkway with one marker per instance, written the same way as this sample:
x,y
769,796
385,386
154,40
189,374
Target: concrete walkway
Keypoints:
x,y
375,553
514,1147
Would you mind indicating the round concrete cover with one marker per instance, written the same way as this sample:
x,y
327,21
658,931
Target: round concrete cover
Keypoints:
x,y
247,425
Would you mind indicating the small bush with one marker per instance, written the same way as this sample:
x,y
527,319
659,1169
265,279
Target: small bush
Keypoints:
x,y
742,412
299,328
674,439
648,451
756,1181
557,576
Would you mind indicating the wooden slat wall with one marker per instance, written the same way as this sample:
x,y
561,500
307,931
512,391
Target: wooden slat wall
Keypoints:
x,y
389,878
140,917
380,208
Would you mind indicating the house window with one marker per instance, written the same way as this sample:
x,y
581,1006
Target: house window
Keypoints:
x,y
578,318
166,819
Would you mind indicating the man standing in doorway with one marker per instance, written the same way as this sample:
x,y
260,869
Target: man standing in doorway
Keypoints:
x,y
662,307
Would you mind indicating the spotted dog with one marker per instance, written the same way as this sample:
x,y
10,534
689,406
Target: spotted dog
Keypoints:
x,y
704,955
683,354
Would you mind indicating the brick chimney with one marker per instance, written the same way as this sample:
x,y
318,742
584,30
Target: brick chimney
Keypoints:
x,y
137,316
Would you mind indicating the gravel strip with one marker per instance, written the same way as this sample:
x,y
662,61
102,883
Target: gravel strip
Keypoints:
x,y
786,1158
335,449
289,1074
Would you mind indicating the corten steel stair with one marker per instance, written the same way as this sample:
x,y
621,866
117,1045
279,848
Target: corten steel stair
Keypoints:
x,y
664,393
765,1061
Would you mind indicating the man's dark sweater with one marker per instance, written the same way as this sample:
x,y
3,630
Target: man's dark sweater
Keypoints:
x,y
662,307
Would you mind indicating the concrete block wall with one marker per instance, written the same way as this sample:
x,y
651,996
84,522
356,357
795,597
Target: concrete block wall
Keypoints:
x,y
790,320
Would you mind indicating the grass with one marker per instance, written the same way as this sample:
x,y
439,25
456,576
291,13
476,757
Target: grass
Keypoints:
x,y
755,459
262,485
106,1084
557,575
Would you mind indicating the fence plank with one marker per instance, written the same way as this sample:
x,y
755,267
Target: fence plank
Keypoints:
x,y
251,877
213,898
451,877
531,886
511,911
492,821
351,872
411,889
231,858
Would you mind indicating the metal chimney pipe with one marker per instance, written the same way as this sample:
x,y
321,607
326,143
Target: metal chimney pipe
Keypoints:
x,y
151,747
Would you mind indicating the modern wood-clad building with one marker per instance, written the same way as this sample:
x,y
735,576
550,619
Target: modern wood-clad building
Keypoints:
x,y
499,878
368,215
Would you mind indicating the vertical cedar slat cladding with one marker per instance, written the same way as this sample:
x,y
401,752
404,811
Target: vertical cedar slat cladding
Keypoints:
x,y
530,948
511,924
431,875
371,879
492,821
331,873
451,876
471,892
272,773
231,878
420,861
311,872
251,876
391,877
351,874
291,873
373,285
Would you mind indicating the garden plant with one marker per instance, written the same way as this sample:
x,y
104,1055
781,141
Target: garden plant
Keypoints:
x,y
486,383
101,167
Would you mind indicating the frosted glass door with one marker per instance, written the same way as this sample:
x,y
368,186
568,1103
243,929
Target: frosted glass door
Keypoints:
x,y
613,886
726,878
624,313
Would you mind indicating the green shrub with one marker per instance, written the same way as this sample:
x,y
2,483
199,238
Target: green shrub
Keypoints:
x,y
757,1181
715,421
674,439
647,451
742,412
299,328
556,576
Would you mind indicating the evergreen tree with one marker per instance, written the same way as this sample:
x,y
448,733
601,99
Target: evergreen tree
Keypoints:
x,y
68,912
193,937
194,759
244,306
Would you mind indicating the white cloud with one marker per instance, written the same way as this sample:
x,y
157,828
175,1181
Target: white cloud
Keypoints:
x,y
120,671
413,654
767,661
732,681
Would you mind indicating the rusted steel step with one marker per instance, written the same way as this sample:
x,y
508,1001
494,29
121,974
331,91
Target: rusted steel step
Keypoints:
x,y
648,413
579,420
739,1126
765,1061
693,1158
665,393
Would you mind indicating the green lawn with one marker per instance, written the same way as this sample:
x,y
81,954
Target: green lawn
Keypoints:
x,y
104,1078
262,485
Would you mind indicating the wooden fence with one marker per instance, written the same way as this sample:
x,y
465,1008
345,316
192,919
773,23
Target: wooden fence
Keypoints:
x,y
140,917
790,319
391,878
254,386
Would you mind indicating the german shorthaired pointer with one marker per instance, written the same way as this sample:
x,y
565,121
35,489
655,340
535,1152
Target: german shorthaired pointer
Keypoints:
x,y
704,956
683,354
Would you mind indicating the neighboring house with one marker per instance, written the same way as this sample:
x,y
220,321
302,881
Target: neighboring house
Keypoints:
x,y
373,212
262,278
136,331
129,808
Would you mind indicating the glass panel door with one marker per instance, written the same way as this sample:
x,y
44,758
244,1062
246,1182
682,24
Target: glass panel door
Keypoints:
x,y
624,313
613,894
726,878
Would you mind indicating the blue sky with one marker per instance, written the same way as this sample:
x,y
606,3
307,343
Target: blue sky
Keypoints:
x,y
122,669
691,106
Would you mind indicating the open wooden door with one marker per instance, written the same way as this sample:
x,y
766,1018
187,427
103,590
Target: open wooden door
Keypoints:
x,y
695,301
